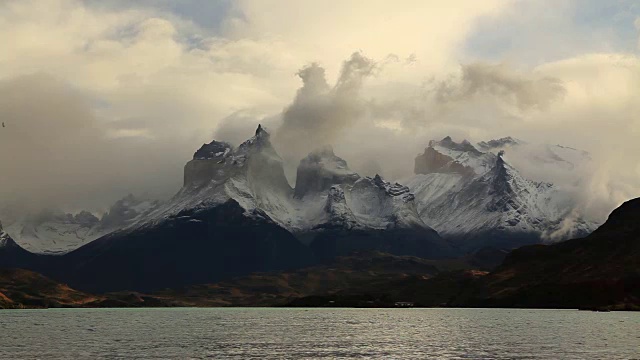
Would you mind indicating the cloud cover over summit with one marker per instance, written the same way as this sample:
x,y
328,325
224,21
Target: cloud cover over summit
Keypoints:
x,y
102,100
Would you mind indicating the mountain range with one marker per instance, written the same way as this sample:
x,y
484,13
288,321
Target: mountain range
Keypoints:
x,y
598,272
236,214
54,232
474,197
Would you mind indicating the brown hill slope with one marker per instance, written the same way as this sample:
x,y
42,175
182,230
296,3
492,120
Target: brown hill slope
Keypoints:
x,y
22,288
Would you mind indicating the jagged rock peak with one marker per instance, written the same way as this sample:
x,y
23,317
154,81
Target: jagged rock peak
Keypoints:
x,y
5,239
260,131
392,189
448,143
337,210
320,170
213,150
259,140
500,176
336,194
85,218
377,179
325,157
432,161
222,160
499,143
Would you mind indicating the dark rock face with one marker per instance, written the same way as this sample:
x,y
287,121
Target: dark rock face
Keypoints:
x,y
320,170
392,189
255,159
86,218
432,161
339,214
207,161
189,248
259,141
214,149
498,143
198,172
12,255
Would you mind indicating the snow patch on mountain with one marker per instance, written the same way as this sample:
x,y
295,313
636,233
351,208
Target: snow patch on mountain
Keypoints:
x,y
380,204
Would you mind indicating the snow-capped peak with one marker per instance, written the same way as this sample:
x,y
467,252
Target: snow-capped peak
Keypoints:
x,y
52,231
495,199
320,170
448,156
393,189
258,141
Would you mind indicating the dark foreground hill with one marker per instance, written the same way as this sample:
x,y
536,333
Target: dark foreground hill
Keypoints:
x,y
190,248
356,272
601,270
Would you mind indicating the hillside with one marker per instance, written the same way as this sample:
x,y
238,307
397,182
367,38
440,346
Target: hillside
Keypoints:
x,y
22,288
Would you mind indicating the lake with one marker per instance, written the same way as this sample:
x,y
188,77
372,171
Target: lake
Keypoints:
x,y
282,333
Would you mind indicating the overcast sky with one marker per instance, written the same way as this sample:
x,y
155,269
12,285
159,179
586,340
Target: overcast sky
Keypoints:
x,y
103,98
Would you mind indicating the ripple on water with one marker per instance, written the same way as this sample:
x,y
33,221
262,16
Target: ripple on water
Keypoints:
x,y
277,333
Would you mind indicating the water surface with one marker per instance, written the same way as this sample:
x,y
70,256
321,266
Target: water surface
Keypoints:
x,y
279,333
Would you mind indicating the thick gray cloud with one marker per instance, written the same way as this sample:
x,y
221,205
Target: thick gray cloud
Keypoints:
x,y
525,91
54,151
479,95
320,113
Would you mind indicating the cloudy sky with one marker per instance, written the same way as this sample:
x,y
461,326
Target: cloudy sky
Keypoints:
x,y
103,98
